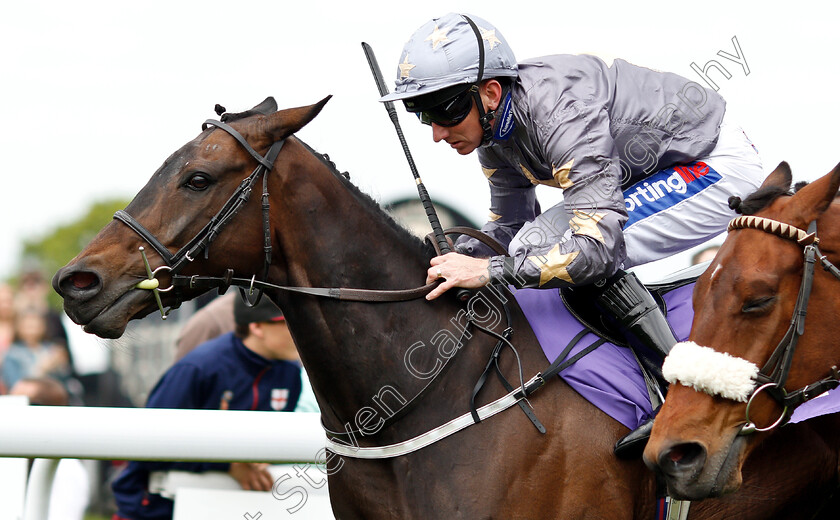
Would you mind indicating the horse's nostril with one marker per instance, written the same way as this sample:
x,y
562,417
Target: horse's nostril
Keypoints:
x,y
83,280
682,457
77,283
683,452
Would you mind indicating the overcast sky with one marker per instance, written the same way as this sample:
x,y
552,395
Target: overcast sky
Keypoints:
x,y
95,95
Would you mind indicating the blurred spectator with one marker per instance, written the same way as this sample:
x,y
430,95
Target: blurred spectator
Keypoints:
x,y
256,367
31,355
212,320
32,293
216,318
44,391
704,255
7,326
7,318
70,494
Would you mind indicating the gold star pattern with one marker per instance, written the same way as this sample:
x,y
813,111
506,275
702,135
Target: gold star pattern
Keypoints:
x,y
554,265
531,177
561,174
405,68
586,224
528,175
490,36
437,37
488,172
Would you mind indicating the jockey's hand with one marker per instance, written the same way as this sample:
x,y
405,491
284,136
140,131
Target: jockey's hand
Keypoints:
x,y
457,270
251,476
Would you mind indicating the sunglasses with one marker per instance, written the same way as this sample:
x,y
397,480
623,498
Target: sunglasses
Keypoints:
x,y
449,113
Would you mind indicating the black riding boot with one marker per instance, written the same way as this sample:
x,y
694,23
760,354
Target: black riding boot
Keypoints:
x,y
625,299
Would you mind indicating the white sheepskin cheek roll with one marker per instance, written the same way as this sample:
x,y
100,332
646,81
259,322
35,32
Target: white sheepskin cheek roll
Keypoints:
x,y
708,371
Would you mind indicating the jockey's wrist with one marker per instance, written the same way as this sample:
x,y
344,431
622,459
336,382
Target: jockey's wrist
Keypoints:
x,y
502,269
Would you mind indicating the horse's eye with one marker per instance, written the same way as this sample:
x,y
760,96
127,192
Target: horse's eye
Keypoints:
x,y
199,182
759,305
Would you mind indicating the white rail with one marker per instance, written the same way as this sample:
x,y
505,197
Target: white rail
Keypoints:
x,y
56,432
159,434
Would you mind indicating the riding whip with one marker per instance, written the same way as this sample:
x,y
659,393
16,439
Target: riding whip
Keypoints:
x,y
443,245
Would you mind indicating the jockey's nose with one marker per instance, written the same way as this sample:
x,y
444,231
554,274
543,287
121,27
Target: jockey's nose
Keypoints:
x,y
439,133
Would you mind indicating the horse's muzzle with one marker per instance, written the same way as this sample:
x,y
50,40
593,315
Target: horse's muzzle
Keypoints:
x,y
76,284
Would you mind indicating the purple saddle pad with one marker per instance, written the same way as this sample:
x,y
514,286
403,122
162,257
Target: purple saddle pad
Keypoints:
x,y
609,377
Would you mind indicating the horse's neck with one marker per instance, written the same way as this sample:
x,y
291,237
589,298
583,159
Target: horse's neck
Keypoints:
x,y
828,229
352,351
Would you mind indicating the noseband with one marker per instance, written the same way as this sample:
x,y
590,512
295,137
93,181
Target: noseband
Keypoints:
x,y
773,375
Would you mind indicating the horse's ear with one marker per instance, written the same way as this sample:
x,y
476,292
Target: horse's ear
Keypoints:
x,y
268,106
286,122
814,198
781,177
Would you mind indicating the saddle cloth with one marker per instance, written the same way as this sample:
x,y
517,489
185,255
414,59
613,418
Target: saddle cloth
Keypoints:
x,y
609,377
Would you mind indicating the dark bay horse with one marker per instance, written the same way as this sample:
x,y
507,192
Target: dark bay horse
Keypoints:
x,y
744,307
325,233
367,361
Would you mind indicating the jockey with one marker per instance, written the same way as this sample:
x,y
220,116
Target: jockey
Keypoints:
x,y
646,160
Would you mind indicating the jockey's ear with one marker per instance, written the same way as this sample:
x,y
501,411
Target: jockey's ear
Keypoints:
x,y
491,91
780,177
812,200
284,123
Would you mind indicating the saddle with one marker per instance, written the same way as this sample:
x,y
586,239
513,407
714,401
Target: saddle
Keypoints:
x,y
581,305
586,304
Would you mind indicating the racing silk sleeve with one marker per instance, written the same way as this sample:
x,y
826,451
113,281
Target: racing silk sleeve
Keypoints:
x,y
513,202
566,142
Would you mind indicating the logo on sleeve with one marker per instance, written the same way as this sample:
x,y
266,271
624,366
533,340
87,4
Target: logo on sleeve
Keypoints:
x,y
667,188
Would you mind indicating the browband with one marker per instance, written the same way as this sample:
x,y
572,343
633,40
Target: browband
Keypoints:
x,y
774,227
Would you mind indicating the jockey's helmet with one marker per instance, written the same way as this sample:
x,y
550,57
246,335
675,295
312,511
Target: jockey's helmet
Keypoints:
x,y
445,58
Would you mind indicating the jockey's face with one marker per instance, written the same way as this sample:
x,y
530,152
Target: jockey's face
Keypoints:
x,y
466,136
463,137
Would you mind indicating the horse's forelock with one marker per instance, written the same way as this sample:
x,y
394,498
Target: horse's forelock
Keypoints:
x,y
761,198
268,106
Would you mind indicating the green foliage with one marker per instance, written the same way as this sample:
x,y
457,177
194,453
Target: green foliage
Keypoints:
x,y
60,245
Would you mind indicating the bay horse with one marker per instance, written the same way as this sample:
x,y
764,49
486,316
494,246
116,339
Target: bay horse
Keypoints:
x,y
383,371
750,323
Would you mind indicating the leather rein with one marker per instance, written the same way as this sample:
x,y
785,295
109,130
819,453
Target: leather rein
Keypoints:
x,y
773,375
174,263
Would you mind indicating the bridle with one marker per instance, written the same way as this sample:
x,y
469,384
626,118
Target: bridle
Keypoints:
x,y
174,263
773,375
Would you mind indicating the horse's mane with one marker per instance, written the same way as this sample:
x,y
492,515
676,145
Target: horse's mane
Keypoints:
x,y
405,236
269,106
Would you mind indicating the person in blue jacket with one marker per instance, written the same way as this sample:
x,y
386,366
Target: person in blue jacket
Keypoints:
x,y
255,367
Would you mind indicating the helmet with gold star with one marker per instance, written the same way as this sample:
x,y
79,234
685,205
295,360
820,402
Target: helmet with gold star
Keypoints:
x,y
444,53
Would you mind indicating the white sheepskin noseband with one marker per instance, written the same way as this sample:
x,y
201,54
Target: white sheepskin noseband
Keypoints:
x,y
708,371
